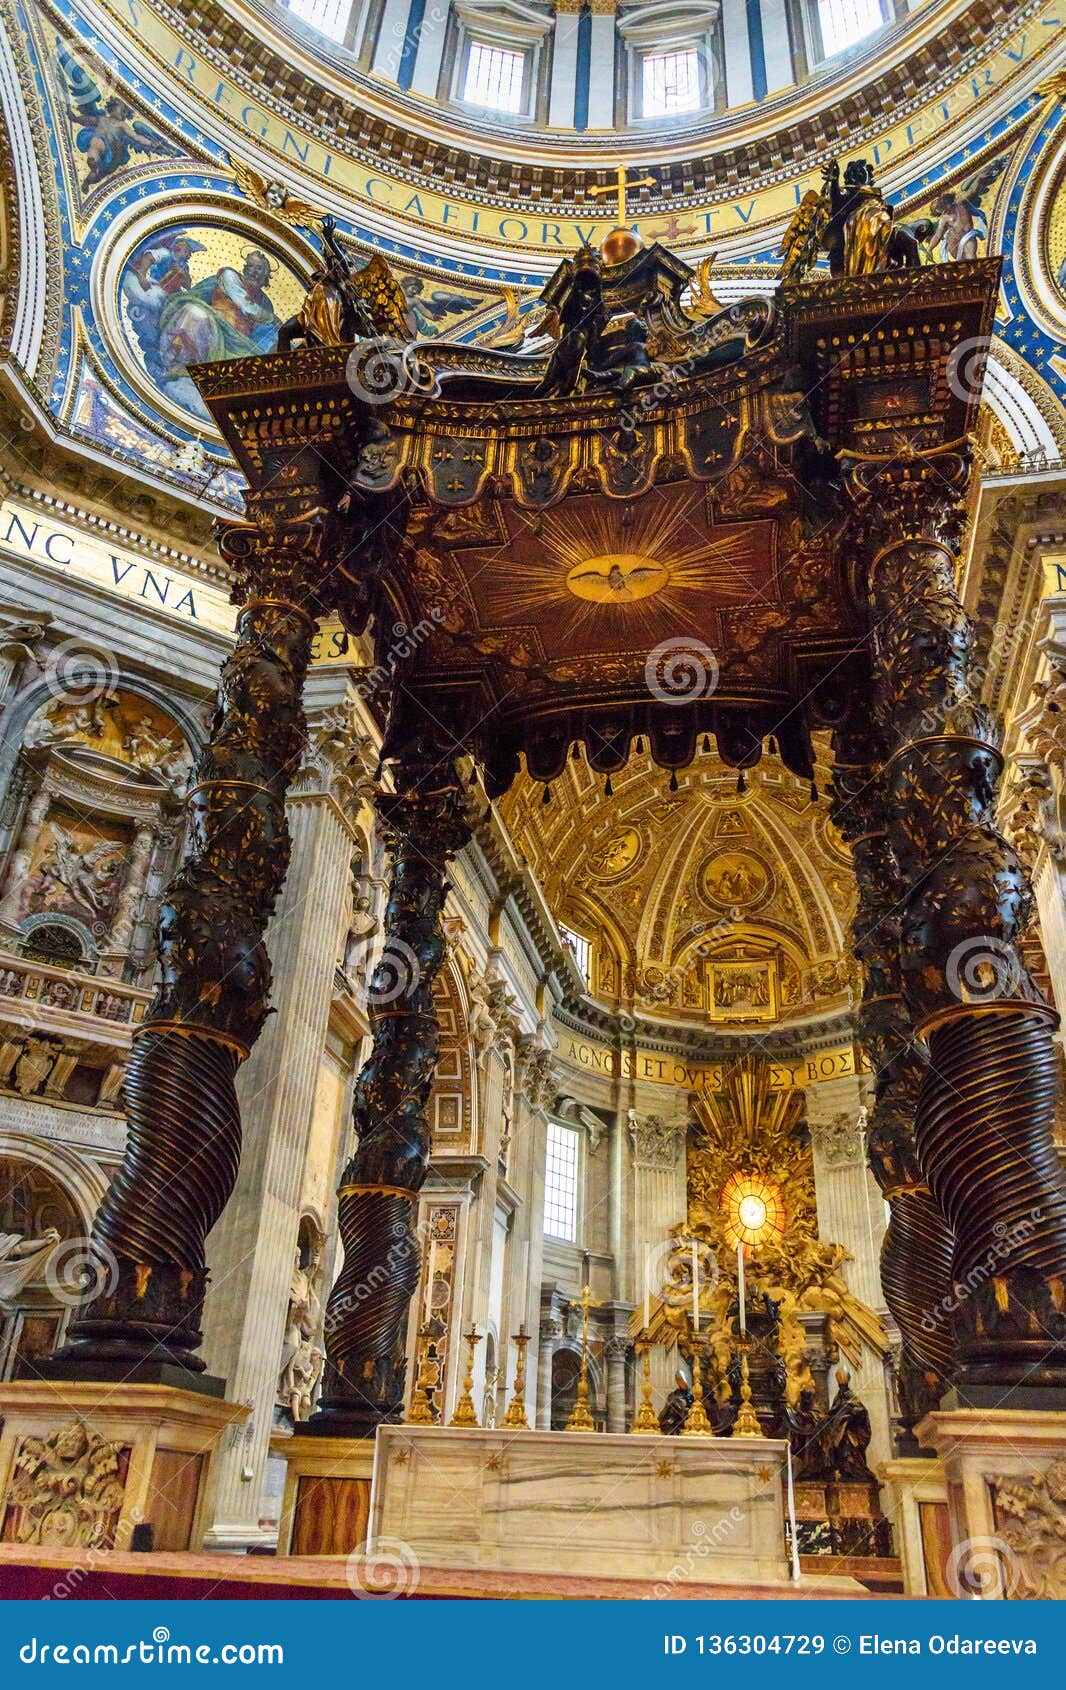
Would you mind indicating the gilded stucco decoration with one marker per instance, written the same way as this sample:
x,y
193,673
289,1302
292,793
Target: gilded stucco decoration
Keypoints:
x,y
750,1136
736,914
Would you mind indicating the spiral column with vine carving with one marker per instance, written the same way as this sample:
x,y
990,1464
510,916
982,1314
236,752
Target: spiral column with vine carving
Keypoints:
x,y
142,1314
916,1253
985,1106
424,822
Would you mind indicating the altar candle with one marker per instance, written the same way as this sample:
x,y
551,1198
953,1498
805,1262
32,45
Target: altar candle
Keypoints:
x,y
647,1295
695,1288
741,1293
431,1274
792,1515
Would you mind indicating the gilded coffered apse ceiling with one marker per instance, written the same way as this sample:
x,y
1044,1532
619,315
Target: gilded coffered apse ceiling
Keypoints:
x,y
707,901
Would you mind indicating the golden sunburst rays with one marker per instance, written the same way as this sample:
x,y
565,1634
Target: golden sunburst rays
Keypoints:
x,y
608,568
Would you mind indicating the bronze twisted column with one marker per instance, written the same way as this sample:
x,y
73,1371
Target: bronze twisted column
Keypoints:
x,y
142,1319
983,1122
425,824
916,1252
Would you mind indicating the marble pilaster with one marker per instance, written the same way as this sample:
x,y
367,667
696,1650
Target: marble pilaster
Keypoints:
x,y
851,1212
550,1331
130,899
601,65
563,87
659,1203
431,38
616,1351
737,52
388,48
251,1252
777,51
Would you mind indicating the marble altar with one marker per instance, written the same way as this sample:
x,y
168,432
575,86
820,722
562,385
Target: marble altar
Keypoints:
x,y
672,1510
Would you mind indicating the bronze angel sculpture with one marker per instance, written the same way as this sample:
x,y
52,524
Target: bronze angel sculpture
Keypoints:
x,y
852,223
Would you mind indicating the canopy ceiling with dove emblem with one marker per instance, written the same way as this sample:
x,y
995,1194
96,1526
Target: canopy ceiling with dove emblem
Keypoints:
x,y
655,555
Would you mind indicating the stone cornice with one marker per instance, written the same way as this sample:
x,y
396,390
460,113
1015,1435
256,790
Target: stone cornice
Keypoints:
x,y
698,1044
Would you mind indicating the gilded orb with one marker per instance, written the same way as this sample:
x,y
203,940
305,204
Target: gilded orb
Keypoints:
x,y
620,245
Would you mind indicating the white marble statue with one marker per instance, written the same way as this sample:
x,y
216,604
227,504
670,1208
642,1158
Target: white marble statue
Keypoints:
x,y
21,1260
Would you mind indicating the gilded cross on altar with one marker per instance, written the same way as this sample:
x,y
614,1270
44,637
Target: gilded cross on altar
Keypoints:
x,y
581,1418
621,187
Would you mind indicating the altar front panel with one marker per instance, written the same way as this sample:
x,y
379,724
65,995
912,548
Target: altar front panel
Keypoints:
x,y
676,1510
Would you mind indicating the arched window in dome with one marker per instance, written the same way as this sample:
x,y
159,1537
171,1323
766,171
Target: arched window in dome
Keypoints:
x,y
671,82
841,23
329,17
497,50
494,77
670,48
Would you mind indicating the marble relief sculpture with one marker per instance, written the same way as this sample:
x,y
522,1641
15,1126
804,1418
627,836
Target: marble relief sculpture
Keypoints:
x,y
66,1490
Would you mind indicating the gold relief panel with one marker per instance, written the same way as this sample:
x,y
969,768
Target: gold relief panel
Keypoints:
x,y
616,855
66,1490
118,727
735,880
744,990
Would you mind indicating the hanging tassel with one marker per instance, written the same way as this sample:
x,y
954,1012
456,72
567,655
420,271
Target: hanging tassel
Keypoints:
x,y
608,789
773,746
814,792
740,782
546,800
706,742
673,780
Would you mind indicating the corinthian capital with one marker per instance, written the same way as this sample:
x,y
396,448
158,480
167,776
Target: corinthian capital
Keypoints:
x,y
655,1141
913,496
282,549
340,756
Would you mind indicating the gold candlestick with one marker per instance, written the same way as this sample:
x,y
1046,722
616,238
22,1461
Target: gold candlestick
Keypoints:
x,y
697,1424
516,1408
465,1412
645,1419
746,1424
421,1410
580,1417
